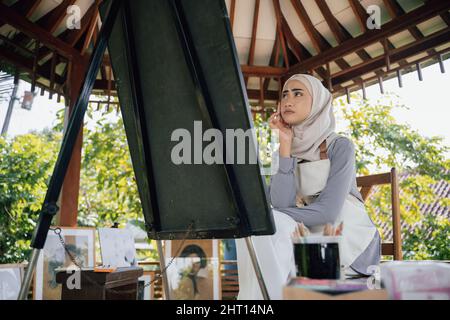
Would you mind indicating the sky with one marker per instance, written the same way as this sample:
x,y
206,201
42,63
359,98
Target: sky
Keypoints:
x,y
428,102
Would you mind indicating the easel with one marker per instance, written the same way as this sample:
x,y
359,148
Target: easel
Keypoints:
x,y
49,207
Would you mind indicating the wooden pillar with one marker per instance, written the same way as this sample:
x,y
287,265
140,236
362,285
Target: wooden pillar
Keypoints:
x,y
396,222
68,213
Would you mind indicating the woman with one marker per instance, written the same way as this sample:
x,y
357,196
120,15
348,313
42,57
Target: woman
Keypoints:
x,y
315,185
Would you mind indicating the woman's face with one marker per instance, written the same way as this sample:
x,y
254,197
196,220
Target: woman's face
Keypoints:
x,y
296,102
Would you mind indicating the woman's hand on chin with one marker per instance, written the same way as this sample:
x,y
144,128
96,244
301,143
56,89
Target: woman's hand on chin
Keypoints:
x,y
285,132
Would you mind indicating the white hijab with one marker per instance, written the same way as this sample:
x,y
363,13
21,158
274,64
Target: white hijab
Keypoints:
x,y
318,126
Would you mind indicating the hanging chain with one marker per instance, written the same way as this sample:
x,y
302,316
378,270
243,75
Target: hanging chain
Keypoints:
x,y
57,231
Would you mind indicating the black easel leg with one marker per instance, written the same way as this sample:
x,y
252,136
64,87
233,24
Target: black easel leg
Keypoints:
x,y
49,207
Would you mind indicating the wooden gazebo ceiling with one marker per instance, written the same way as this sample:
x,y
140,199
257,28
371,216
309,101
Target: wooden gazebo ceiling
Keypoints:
x,y
274,39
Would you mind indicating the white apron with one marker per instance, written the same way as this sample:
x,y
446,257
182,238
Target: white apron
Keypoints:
x,y
276,254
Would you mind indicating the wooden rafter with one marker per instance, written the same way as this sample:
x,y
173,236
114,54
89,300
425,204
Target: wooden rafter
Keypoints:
x,y
251,54
232,13
395,10
339,32
446,17
273,61
25,7
21,23
414,17
26,64
424,44
72,36
362,16
262,71
360,13
90,32
278,16
299,50
411,66
51,20
319,42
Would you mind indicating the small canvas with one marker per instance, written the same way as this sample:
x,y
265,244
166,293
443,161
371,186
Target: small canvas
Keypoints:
x,y
193,273
10,281
80,242
117,247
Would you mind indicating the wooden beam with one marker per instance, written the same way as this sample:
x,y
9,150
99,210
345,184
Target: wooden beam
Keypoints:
x,y
398,70
68,213
232,12
338,30
278,16
360,13
53,18
413,17
49,21
395,10
299,50
72,36
19,22
340,33
87,26
90,31
24,7
446,17
317,40
268,95
432,41
26,64
396,223
273,61
251,54
362,17
262,71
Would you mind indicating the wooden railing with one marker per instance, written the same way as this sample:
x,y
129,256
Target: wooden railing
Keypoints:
x,y
366,183
229,279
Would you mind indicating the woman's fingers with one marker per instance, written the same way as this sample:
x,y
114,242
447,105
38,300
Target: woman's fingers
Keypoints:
x,y
339,229
327,230
273,121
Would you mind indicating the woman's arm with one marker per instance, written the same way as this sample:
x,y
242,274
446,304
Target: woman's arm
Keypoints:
x,y
329,204
282,184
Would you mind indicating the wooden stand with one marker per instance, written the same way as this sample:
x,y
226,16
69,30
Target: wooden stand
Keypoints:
x,y
121,284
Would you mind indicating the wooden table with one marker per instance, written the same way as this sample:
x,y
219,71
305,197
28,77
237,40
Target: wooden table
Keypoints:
x,y
121,284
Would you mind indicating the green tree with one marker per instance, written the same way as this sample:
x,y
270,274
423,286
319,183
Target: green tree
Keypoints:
x,y
26,163
381,143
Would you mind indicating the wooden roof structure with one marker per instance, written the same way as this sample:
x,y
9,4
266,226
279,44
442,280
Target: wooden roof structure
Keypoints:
x,y
330,39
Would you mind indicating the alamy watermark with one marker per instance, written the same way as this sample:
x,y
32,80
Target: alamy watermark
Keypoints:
x,y
74,17
374,19
236,146
374,280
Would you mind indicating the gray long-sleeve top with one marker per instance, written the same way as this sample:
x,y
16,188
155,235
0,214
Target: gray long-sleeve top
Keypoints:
x,y
327,206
